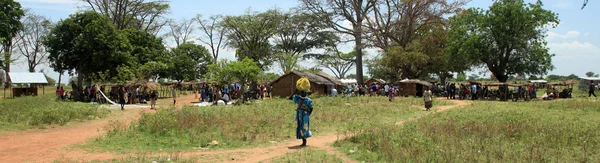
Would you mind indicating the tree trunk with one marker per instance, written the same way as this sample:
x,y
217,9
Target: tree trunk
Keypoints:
x,y
77,89
59,78
501,77
358,49
7,62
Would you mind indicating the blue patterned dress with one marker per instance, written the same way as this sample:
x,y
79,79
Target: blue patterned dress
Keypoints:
x,y
303,116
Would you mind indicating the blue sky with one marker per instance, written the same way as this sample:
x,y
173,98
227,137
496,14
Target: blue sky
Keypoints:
x,y
575,41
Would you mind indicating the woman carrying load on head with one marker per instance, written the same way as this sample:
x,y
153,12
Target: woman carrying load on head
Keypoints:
x,y
303,111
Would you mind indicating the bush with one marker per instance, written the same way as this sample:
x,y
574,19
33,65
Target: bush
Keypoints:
x,y
36,111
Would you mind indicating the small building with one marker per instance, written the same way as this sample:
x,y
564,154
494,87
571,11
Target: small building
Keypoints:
x,y
412,87
584,83
26,78
375,81
285,85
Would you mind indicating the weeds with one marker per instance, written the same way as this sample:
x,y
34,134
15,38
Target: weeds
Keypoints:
x,y
538,131
28,112
263,122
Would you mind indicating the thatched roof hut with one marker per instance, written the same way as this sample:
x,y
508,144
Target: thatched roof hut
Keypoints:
x,y
412,87
285,85
376,81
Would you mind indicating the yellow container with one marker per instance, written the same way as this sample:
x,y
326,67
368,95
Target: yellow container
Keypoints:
x,y
303,84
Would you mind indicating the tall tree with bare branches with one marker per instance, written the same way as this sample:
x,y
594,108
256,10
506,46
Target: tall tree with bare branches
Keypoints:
x,y
143,15
213,32
181,31
30,39
337,12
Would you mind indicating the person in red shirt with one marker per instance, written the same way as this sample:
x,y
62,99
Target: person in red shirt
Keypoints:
x,y
262,91
58,93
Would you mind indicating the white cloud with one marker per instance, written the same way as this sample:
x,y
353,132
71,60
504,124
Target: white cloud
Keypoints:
x,y
586,34
575,49
568,35
562,4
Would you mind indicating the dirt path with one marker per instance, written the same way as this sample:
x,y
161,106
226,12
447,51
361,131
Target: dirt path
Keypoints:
x,y
48,145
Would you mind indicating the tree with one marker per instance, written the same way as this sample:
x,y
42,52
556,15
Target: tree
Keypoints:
x,y
572,77
245,71
151,70
51,82
508,39
189,61
555,77
461,76
296,34
473,77
267,77
339,63
249,34
143,15
30,39
590,74
533,77
181,31
147,48
335,12
88,44
10,16
214,32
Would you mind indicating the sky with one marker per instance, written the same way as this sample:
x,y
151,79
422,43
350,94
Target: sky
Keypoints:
x,y
575,42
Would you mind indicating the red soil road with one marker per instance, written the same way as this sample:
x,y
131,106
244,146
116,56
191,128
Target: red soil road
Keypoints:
x,y
48,145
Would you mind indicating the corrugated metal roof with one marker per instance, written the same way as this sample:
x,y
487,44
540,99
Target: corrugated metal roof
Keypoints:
x,y
27,78
538,81
348,81
590,78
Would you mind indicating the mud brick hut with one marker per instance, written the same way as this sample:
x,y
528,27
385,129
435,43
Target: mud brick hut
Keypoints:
x,y
320,83
412,87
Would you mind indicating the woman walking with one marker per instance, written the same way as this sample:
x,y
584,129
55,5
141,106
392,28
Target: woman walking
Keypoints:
x,y
303,111
428,98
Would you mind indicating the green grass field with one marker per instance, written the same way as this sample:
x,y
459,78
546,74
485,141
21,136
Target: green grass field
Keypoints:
x,y
538,131
38,111
190,128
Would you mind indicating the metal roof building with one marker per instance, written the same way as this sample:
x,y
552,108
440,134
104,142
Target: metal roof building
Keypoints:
x,y
27,78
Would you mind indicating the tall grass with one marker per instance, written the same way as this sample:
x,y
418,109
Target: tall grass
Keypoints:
x,y
247,125
543,131
37,111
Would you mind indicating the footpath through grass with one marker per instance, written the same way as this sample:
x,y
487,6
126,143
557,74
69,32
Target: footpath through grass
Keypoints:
x,y
263,122
539,131
38,111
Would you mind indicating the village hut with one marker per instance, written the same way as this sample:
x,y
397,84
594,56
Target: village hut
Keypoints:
x,y
285,85
584,83
412,87
375,81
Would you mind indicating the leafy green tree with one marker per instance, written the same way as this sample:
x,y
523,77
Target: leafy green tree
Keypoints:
x,y
590,74
150,54
508,39
555,77
245,71
249,34
51,82
473,77
10,24
87,43
189,61
533,77
572,77
152,70
297,33
461,76
268,77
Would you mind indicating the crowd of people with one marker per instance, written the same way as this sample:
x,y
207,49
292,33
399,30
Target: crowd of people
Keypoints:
x,y
375,89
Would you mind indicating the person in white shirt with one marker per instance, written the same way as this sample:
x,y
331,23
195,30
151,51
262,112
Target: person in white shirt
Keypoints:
x,y
428,98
